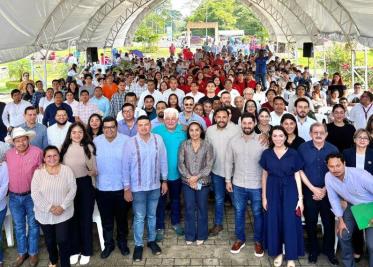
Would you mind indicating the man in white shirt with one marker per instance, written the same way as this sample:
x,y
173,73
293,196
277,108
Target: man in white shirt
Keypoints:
x,y
219,136
13,112
361,112
279,107
132,99
228,87
57,132
194,92
355,96
150,91
303,121
140,86
174,90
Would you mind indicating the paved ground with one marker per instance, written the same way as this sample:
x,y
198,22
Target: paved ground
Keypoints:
x,y
215,251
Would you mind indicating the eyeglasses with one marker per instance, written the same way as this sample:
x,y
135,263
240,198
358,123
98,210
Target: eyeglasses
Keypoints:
x,y
109,127
188,105
362,138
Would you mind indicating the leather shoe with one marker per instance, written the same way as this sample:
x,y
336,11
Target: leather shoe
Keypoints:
x,y
20,260
124,250
333,260
106,252
312,259
34,260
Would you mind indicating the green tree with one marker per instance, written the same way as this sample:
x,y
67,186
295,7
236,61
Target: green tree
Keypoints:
x,y
230,14
17,68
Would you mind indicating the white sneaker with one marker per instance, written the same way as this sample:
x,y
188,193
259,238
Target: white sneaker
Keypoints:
x,y
189,242
200,242
84,260
74,259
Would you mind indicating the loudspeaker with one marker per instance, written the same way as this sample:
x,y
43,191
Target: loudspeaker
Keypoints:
x,y
92,54
307,49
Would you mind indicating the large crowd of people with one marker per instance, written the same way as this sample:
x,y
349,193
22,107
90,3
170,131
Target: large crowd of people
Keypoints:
x,y
170,133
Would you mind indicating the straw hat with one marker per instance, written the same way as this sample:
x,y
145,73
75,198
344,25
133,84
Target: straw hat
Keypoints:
x,y
19,132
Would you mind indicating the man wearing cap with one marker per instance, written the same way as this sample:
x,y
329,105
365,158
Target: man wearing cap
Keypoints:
x,y
22,161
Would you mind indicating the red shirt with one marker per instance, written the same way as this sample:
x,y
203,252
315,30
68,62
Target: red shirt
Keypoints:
x,y
219,62
239,86
251,84
21,168
268,106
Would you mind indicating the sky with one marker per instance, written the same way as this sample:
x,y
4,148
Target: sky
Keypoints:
x,y
186,7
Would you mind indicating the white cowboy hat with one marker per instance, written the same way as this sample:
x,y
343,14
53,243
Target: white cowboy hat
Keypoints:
x,y
19,132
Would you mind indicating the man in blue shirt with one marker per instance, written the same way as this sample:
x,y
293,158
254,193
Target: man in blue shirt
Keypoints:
x,y
188,115
128,125
314,153
159,109
173,135
101,101
261,67
144,168
356,187
41,138
109,184
51,110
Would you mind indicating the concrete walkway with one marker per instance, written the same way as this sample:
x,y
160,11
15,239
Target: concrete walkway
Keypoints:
x,y
215,251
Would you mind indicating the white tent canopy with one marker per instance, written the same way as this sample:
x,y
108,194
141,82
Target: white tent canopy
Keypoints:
x,y
31,25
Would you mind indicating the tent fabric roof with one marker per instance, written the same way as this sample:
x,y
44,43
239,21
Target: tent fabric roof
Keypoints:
x,y
32,25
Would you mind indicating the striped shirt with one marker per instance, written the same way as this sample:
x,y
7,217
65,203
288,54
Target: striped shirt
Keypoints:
x,y
57,190
144,163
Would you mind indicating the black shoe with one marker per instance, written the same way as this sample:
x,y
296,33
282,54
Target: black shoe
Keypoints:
x,y
333,260
106,252
137,253
124,250
312,259
156,250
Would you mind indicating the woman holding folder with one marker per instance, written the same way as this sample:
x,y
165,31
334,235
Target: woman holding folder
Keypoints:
x,y
361,157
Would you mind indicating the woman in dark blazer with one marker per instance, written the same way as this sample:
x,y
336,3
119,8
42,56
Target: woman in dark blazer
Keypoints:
x,y
361,157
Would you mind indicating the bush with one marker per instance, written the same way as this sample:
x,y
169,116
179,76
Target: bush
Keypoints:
x,y
12,84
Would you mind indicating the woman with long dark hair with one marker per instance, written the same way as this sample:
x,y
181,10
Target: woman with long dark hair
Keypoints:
x,y
282,199
173,102
94,127
79,153
289,123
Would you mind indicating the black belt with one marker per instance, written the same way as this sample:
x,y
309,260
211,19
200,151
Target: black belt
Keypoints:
x,y
21,194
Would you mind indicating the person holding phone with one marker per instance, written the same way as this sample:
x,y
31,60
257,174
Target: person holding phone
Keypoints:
x,y
282,199
196,158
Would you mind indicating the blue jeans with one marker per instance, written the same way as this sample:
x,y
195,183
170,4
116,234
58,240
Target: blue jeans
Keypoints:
x,y
240,197
218,185
20,208
144,205
196,210
261,78
2,217
346,240
174,191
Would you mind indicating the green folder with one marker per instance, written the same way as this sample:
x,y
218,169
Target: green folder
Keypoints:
x,y
363,214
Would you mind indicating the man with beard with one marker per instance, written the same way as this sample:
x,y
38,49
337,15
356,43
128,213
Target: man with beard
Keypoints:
x,y
159,109
219,135
51,111
302,107
314,154
226,100
242,160
57,132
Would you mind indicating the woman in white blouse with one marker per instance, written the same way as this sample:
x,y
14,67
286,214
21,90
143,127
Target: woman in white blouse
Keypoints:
x,y
53,190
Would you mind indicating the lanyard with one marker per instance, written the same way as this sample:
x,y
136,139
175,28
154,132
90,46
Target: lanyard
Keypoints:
x,y
366,111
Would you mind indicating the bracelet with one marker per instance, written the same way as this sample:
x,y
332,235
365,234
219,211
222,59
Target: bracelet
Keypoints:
x,y
300,197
